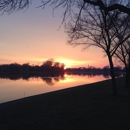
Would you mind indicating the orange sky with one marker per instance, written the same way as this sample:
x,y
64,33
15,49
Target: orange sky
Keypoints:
x,y
33,36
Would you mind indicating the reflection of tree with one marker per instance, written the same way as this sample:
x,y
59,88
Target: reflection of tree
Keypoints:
x,y
52,80
106,75
90,75
11,77
16,76
49,81
48,78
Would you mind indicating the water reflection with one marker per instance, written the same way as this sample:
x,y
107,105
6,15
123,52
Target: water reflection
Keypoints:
x,y
51,79
47,77
90,75
15,86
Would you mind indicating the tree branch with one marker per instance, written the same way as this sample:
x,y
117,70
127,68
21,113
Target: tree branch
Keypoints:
x,y
119,7
99,3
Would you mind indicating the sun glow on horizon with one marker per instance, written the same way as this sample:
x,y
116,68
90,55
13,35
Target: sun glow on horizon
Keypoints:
x,y
72,63
69,63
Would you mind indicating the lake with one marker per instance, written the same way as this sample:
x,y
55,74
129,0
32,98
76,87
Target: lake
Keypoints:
x,y
12,89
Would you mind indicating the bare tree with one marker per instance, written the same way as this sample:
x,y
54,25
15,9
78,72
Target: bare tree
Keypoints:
x,y
123,55
96,27
123,52
10,5
98,23
123,6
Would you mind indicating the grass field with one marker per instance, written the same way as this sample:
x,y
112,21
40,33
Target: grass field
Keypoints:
x,y
86,107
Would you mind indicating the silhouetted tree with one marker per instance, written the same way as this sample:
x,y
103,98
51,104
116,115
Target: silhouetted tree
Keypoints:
x,y
25,71
10,5
97,23
68,5
51,65
121,5
48,64
123,52
14,67
123,55
97,28
25,67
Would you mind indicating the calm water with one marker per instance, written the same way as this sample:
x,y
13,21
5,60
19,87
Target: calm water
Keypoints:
x,y
20,88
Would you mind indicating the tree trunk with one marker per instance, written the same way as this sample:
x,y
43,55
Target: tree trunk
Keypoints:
x,y
127,82
115,93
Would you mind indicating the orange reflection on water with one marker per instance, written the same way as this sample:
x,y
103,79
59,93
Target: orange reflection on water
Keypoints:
x,y
20,88
68,79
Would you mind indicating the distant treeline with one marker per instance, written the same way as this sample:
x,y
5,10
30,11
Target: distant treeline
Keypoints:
x,y
48,68
94,70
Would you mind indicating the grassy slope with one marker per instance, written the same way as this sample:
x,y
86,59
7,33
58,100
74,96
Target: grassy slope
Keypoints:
x,y
86,107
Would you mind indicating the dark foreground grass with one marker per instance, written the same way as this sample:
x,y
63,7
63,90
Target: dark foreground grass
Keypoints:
x,y
86,107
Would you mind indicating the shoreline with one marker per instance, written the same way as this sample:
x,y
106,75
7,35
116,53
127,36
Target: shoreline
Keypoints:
x,y
90,106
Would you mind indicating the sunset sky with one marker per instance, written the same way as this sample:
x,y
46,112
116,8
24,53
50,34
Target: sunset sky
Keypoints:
x,y
33,36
